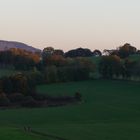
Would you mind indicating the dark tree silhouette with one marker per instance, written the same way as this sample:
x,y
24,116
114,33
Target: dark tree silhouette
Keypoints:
x,y
79,52
97,53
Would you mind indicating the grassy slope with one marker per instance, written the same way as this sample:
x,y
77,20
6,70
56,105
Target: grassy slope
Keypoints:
x,y
111,111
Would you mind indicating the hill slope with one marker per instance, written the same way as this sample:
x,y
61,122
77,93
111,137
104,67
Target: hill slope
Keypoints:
x,y
4,45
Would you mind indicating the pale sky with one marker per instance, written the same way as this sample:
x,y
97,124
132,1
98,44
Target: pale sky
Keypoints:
x,y
68,24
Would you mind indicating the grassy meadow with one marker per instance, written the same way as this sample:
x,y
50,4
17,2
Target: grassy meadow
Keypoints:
x,y
110,111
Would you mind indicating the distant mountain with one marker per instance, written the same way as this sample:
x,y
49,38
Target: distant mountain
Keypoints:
x,y
5,45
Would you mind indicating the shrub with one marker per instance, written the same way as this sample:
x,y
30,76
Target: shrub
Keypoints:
x,y
30,102
16,97
78,96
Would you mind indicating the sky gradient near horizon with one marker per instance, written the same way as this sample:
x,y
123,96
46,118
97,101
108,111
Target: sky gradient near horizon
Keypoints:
x,y
68,24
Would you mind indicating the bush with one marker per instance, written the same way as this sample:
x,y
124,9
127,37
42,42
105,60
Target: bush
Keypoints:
x,y
40,97
30,102
78,96
16,97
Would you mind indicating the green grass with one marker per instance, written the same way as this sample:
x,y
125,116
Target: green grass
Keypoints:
x,y
110,111
11,133
6,72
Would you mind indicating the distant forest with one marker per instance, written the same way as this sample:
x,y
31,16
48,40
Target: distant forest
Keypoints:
x,y
53,66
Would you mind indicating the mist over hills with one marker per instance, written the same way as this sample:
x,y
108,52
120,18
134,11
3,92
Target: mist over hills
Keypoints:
x,y
5,45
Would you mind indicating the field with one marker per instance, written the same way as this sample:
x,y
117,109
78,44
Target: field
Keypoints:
x,y
110,111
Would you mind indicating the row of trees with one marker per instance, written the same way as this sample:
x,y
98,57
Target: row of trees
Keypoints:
x,y
68,69
19,90
24,60
53,67
20,59
56,67
114,67
123,51
16,89
79,52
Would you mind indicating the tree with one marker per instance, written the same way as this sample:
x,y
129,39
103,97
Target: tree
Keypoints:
x,y
126,50
79,52
7,85
4,101
78,96
23,63
6,57
20,84
59,52
122,51
109,52
110,66
97,53
47,52
50,74
132,68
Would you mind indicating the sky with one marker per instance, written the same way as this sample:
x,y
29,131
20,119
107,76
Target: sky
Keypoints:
x,y
69,24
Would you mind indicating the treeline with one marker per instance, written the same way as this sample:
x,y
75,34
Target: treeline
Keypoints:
x,y
123,51
118,65
51,65
19,90
81,52
19,58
